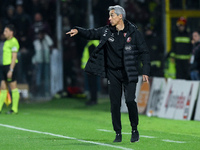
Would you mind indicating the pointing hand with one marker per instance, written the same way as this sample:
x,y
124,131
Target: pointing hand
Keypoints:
x,y
72,32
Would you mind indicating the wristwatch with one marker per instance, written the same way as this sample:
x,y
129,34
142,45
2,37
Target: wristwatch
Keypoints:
x,y
11,69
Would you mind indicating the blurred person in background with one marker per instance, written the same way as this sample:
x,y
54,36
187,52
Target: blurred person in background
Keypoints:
x,y
116,57
43,46
195,58
156,50
4,4
8,69
9,16
22,23
38,25
90,80
181,49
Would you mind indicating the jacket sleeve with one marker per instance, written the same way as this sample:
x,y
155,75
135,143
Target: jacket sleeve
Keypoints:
x,y
90,34
48,40
144,53
196,65
37,58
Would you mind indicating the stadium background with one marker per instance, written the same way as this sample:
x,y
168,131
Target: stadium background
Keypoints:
x,y
60,16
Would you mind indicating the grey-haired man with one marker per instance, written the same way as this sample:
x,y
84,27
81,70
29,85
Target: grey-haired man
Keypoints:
x,y
116,57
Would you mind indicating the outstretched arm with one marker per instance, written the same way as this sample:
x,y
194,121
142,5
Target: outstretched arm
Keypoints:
x,y
90,34
72,32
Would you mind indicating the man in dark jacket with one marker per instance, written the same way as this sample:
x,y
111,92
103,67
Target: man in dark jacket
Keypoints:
x,y
195,58
116,57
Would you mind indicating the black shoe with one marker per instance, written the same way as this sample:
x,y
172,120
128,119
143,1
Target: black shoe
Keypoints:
x,y
91,103
11,112
118,138
135,136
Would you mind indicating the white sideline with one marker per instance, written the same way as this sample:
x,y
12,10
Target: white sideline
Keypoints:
x,y
66,137
173,141
151,137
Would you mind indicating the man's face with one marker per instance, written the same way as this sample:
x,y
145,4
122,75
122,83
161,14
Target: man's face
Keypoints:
x,y
149,32
8,33
19,9
195,37
114,18
181,28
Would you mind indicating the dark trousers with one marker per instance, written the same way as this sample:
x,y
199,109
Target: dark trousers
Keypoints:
x,y
92,82
182,69
117,80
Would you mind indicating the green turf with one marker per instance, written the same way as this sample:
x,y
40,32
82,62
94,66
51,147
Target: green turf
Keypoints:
x,y
72,119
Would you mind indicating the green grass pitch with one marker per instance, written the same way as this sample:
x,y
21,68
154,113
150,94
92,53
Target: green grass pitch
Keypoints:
x,y
67,124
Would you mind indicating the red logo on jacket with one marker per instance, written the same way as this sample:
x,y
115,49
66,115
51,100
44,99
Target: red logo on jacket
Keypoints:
x,y
128,39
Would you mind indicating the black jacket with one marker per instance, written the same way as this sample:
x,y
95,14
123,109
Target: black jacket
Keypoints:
x,y
135,47
195,65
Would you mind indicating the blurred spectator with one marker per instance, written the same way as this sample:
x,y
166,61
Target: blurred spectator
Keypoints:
x,y
4,4
195,58
156,50
38,25
22,23
9,16
181,49
43,46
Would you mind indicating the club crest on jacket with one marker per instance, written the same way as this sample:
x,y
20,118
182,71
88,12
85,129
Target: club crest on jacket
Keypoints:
x,y
128,39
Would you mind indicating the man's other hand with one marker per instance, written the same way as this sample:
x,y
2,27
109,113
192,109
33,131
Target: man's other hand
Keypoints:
x,y
145,78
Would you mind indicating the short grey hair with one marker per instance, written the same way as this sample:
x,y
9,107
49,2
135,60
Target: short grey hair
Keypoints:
x,y
118,10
